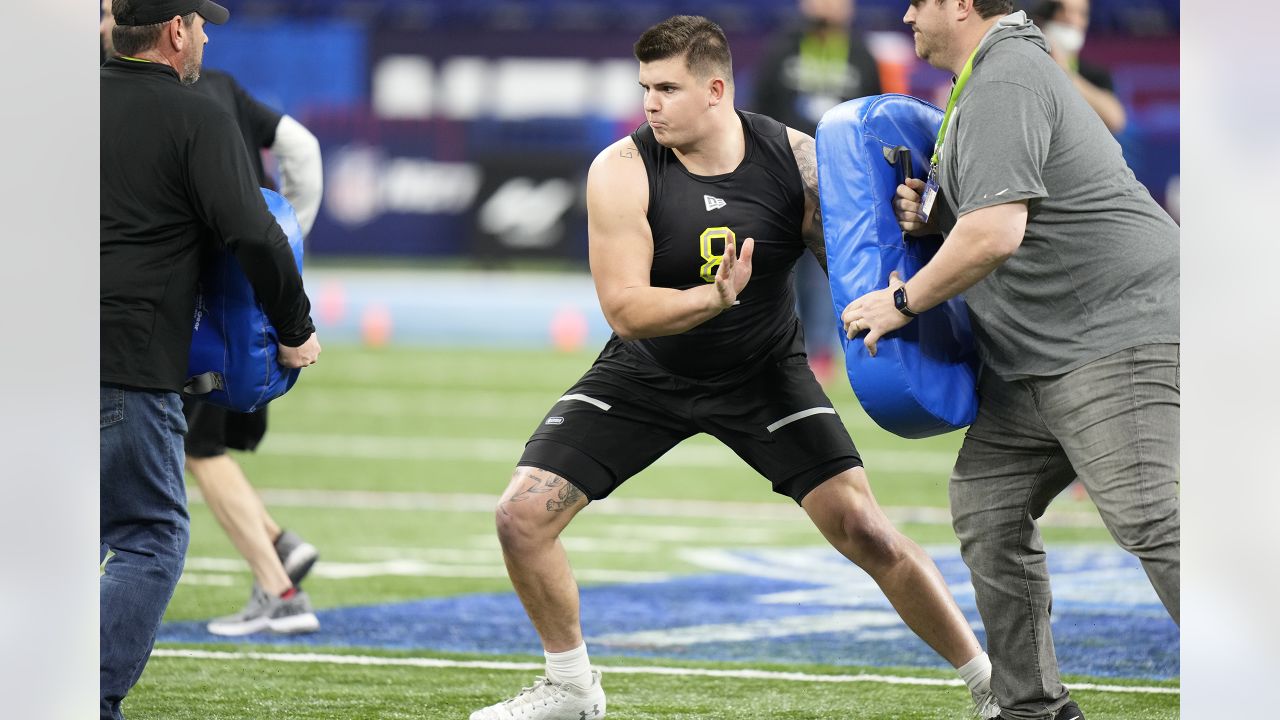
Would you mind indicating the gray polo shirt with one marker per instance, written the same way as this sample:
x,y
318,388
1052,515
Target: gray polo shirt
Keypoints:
x,y
1097,271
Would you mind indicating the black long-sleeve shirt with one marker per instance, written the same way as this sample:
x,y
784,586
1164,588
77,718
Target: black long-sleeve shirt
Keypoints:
x,y
176,181
256,121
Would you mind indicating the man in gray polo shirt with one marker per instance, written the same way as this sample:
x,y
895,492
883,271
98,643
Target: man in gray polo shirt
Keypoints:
x,y
1070,272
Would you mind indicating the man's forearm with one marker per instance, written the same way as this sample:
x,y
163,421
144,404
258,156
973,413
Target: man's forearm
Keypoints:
x,y
963,260
269,265
645,312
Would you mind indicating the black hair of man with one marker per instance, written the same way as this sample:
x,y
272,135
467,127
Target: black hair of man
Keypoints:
x,y
700,40
131,40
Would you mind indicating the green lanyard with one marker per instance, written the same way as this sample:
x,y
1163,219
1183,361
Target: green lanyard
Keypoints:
x,y
961,81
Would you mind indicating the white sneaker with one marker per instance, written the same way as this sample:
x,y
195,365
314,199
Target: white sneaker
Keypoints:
x,y
546,700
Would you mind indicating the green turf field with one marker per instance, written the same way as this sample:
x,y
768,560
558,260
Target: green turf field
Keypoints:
x,y
389,460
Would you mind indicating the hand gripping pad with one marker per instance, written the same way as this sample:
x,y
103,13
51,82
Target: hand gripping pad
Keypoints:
x,y
233,348
922,380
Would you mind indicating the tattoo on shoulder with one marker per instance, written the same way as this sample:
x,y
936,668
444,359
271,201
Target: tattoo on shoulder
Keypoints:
x,y
627,151
807,161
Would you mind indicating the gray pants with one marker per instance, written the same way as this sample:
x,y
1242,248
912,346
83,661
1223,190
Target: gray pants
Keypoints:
x,y
1114,424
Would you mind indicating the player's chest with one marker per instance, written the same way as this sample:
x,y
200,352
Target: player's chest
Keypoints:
x,y
695,222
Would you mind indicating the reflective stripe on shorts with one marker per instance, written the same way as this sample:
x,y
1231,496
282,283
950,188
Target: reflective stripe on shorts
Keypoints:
x,y
773,427
588,399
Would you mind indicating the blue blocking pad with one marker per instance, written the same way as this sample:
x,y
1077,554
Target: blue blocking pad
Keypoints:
x,y
922,380
232,362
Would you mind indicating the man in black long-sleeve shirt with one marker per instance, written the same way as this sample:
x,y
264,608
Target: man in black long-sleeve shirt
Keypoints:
x,y
279,558
170,190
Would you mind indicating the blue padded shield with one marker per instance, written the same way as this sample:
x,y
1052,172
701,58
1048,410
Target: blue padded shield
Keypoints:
x,y
922,380
233,348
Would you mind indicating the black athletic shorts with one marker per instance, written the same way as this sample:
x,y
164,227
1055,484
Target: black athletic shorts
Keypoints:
x,y
616,421
211,430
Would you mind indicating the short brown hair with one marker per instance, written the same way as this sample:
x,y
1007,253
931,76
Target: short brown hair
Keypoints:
x,y
701,41
989,8
134,39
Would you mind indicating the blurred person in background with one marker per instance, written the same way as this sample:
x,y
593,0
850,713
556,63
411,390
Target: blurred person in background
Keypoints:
x,y
807,69
706,339
1064,24
278,558
1070,272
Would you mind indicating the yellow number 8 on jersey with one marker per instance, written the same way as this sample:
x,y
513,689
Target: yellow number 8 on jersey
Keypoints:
x,y
725,236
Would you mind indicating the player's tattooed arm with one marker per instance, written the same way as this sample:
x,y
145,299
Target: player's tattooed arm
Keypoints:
x,y
807,161
564,494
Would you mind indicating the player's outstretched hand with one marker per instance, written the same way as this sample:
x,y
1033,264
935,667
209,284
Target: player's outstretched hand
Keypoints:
x,y
906,208
734,271
298,357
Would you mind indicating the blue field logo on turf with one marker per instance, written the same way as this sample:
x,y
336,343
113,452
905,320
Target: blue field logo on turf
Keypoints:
x,y
802,605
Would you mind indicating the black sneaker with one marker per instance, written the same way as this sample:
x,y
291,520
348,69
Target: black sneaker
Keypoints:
x,y
297,556
1070,711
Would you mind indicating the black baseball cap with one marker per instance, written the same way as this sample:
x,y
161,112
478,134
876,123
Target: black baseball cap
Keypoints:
x,y
150,12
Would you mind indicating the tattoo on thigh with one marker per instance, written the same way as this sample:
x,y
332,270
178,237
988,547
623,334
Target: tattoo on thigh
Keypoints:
x,y
541,484
568,497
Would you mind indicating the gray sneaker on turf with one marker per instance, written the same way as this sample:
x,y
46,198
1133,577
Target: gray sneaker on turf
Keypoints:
x,y
277,615
546,700
232,624
297,555
985,705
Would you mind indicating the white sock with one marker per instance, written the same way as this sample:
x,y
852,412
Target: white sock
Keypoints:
x,y
571,666
977,674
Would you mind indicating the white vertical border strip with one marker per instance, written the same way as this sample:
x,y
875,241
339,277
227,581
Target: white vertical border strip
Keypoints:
x,y
1230,392
49,367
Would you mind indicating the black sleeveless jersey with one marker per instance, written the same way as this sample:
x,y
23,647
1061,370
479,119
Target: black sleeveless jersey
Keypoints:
x,y
691,216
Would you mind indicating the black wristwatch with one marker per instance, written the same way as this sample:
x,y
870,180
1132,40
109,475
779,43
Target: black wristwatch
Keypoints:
x,y
900,302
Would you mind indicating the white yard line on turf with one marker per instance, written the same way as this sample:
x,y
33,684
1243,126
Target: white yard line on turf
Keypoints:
x,y
640,507
507,450
414,568
619,669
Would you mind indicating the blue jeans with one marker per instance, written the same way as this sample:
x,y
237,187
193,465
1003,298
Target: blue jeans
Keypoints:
x,y
1113,424
143,521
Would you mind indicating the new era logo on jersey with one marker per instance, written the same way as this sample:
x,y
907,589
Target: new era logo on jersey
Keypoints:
x,y
713,203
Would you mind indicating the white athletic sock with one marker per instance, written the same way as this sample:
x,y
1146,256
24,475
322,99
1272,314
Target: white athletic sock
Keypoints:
x,y
977,673
571,666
